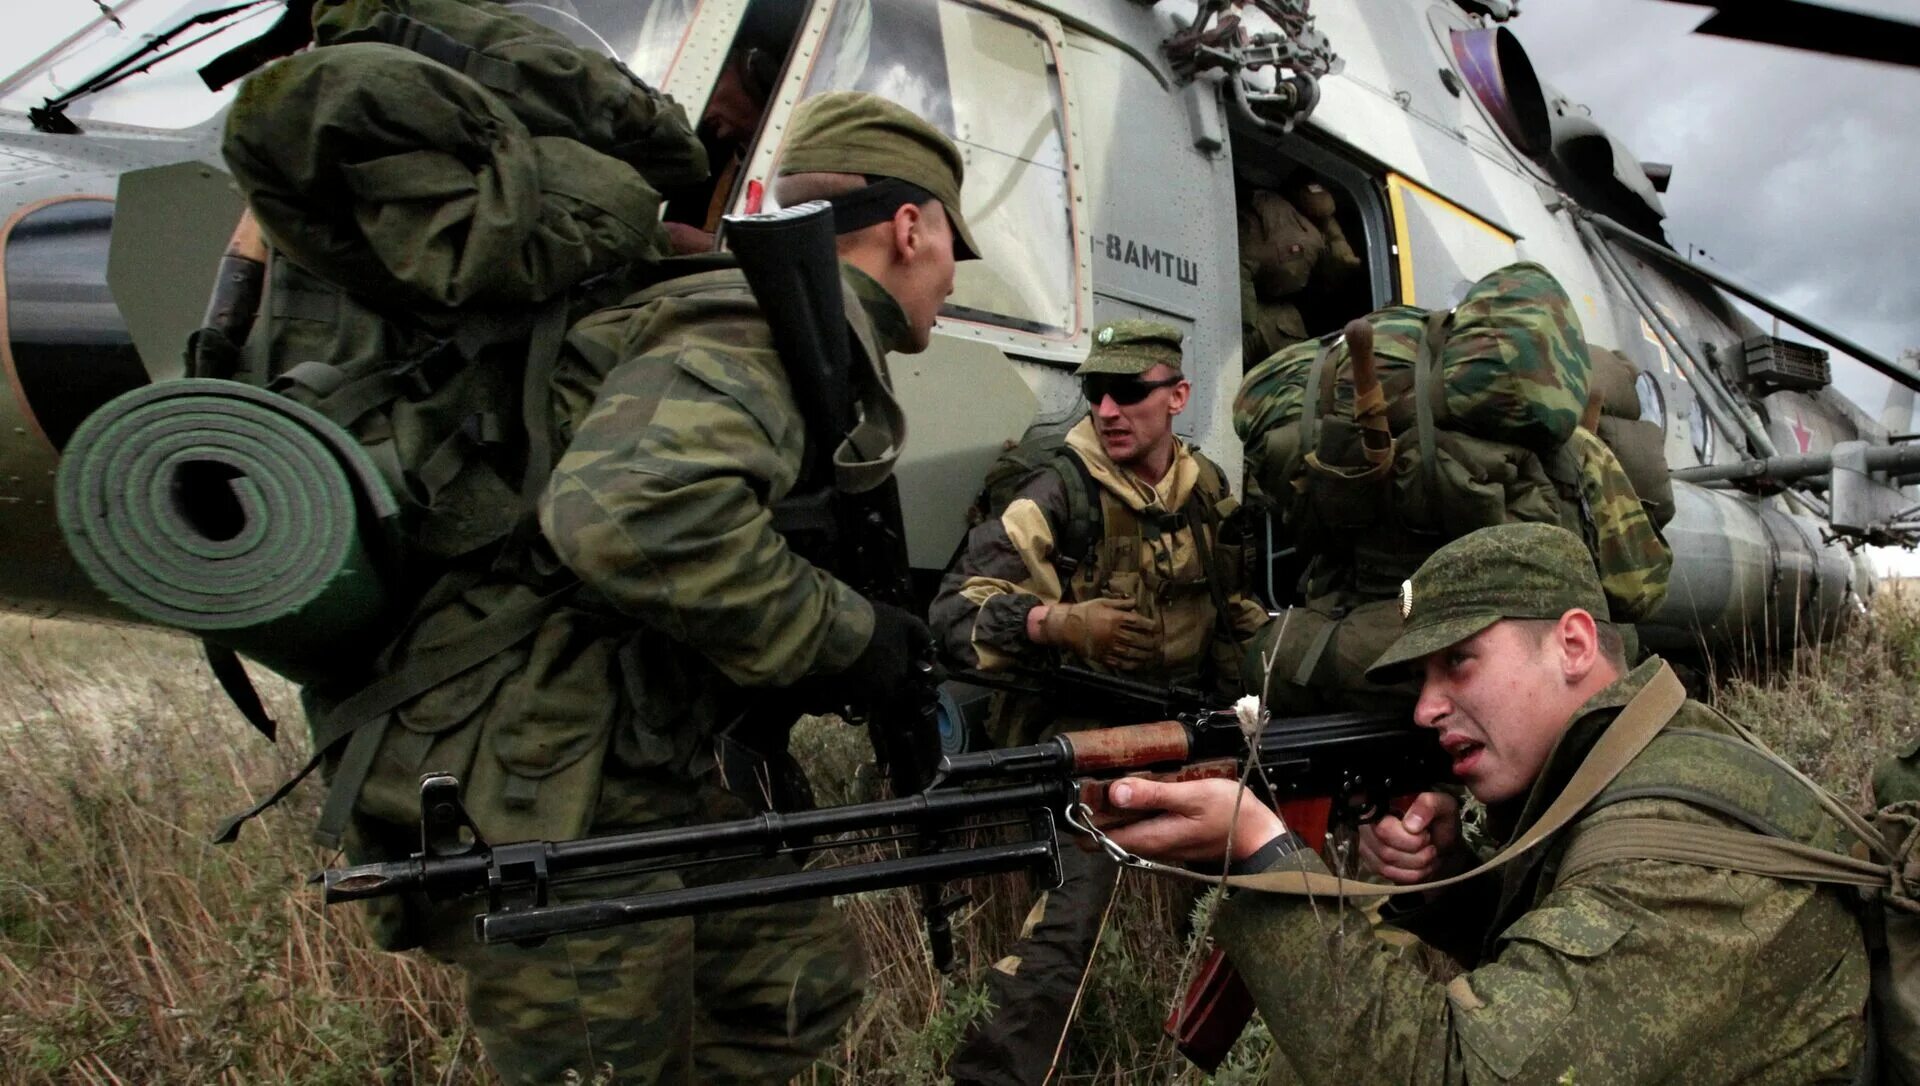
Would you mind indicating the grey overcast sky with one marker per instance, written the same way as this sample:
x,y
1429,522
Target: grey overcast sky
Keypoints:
x,y
1799,174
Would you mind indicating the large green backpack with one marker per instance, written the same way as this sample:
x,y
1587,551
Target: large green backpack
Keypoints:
x,y
1485,403
446,186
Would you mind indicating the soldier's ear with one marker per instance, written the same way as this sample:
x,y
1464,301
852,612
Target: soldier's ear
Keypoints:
x,y
909,232
1578,639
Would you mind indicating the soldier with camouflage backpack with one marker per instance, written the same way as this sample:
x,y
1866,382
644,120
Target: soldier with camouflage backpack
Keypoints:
x,y
1671,902
603,598
1109,553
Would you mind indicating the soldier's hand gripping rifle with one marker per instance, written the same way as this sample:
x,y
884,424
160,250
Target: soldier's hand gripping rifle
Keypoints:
x,y
791,263
1359,759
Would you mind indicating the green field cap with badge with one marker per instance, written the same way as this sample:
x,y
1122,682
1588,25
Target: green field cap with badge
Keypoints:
x,y
857,132
1132,347
1506,571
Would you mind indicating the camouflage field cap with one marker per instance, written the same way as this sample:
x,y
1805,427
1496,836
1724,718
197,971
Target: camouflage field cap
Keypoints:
x,y
1132,347
857,132
1506,571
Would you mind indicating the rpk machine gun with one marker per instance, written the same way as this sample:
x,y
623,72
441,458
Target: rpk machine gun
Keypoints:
x,y
1358,760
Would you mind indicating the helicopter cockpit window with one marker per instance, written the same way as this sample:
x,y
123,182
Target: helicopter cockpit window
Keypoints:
x,y
1653,402
1700,431
992,82
1444,247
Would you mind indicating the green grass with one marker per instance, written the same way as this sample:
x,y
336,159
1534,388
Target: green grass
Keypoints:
x,y
132,950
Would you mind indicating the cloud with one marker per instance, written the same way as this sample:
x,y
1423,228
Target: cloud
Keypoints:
x,y
1793,171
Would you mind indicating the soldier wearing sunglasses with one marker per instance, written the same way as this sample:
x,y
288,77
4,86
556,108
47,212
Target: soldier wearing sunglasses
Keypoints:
x,y
1109,555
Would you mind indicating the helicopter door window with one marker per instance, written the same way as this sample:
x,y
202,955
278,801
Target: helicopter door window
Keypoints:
x,y
992,82
1444,247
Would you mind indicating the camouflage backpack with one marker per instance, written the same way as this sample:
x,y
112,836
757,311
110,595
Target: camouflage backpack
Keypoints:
x,y
445,187
1485,404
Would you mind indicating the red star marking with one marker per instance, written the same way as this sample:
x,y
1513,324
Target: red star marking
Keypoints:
x,y
1801,435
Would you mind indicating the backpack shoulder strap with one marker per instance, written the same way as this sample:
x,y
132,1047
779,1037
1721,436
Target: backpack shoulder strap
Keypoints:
x,y
1086,522
1202,510
1430,395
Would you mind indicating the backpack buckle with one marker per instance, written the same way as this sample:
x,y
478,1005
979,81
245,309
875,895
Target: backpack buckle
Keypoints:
x,y
422,376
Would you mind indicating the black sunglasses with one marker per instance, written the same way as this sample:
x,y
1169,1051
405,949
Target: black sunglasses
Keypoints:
x,y
1125,389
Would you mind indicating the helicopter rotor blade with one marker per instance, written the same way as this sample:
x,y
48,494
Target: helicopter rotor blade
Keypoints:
x,y
1815,28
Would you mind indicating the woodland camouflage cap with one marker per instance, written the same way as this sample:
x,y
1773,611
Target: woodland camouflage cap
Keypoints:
x,y
1507,571
857,132
1132,346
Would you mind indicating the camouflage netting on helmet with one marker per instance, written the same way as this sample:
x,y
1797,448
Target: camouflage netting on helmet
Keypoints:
x,y
1513,368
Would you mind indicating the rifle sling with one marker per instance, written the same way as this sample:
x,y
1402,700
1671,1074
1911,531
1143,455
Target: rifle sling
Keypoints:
x,y
1631,731
1717,847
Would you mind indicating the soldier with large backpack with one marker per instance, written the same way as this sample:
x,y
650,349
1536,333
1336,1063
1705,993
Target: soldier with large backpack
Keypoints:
x,y
1108,552
602,600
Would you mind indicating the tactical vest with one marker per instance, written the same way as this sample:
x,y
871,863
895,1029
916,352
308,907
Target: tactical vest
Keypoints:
x,y
1110,563
1098,546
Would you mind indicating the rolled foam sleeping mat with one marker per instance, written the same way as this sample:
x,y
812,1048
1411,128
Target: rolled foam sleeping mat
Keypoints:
x,y
240,515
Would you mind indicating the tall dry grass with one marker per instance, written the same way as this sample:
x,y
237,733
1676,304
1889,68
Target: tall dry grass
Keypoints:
x,y
132,950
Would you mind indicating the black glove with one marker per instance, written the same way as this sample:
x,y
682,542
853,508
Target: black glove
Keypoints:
x,y
895,662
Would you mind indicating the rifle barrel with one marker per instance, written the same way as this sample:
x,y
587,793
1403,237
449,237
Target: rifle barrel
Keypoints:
x,y
934,867
454,876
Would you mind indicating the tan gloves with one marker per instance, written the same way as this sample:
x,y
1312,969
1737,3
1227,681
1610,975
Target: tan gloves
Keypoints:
x,y
1105,631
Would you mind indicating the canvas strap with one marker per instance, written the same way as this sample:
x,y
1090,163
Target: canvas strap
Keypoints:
x,y
1430,397
1721,847
1621,743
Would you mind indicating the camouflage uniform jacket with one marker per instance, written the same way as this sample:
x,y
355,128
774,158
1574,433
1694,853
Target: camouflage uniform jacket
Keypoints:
x,y
1642,971
661,502
680,432
1149,551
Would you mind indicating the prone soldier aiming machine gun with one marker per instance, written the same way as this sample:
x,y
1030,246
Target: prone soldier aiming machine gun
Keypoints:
x,y
1356,759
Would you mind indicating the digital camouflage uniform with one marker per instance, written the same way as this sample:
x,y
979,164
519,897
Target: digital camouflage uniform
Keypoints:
x,y
1637,971
680,431
1149,551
